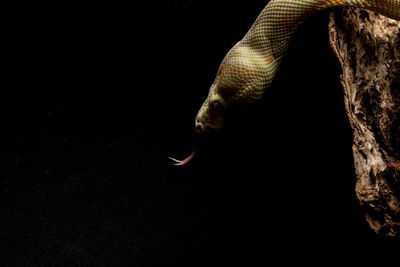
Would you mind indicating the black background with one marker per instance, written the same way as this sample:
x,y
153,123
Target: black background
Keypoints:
x,y
96,96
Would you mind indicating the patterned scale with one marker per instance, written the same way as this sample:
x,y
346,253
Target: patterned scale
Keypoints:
x,y
250,66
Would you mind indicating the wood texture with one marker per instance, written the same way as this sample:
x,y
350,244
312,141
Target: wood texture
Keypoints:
x,y
368,48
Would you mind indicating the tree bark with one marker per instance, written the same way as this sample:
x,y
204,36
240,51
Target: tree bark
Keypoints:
x,y
368,48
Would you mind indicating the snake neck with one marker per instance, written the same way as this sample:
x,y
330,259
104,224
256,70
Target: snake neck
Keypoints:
x,y
272,30
268,39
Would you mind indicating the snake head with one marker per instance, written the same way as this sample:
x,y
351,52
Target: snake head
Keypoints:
x,y
241,79
211,116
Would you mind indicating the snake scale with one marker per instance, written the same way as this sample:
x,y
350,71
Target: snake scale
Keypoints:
x,y
249,67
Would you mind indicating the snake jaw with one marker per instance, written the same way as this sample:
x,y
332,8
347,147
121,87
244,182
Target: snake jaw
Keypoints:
x,y
185,161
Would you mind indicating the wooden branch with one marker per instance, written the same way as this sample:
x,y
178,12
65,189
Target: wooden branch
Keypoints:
x,y
368,48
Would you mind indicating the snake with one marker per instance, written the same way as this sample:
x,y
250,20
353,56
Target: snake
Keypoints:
x,y
249,67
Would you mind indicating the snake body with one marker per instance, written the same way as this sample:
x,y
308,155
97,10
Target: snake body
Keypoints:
x,y
249,67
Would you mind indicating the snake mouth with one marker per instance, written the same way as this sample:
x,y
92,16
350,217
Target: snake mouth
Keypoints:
x,y
199,128
206,129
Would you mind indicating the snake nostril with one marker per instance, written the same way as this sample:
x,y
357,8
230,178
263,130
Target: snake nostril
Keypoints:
x,y
198,128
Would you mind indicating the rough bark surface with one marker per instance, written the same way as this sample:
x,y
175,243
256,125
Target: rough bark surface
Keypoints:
x,y
368,48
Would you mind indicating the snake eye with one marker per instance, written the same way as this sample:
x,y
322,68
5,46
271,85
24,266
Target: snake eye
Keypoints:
x,y
216,109
217,105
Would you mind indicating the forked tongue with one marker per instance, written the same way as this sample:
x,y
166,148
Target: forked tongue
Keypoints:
x,y
184,161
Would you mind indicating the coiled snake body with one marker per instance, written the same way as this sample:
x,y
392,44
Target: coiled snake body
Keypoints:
x,y
249,67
